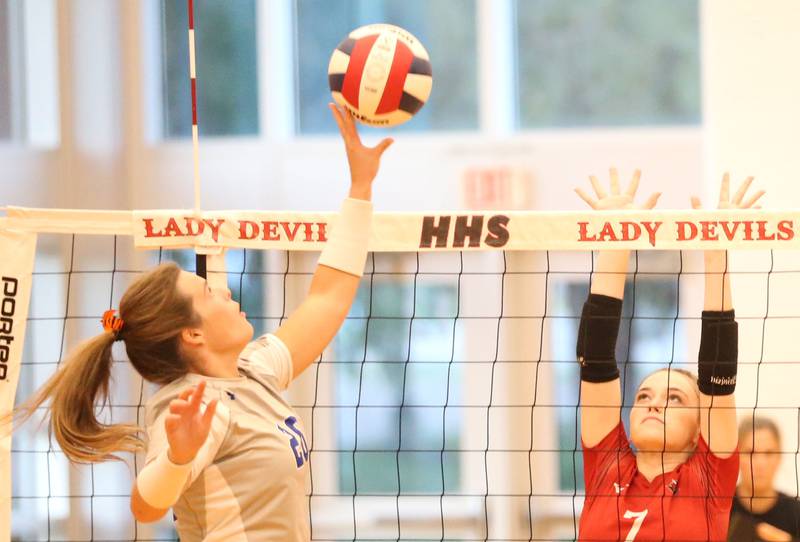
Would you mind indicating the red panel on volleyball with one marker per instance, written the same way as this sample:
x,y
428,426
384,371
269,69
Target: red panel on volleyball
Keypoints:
x,y
393,91
355,69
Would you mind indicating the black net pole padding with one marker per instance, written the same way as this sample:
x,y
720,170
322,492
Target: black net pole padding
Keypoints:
x,y
200,265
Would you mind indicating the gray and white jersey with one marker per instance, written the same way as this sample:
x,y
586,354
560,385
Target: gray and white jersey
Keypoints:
x,y
249,480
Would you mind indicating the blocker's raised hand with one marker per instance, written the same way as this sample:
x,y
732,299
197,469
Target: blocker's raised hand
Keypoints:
x,y
364,161
738,201
617,199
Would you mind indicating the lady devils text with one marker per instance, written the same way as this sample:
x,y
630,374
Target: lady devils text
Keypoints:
x,y
245,229
700,230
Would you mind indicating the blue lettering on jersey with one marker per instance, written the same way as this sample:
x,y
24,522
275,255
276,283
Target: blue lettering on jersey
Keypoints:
x,y
299,447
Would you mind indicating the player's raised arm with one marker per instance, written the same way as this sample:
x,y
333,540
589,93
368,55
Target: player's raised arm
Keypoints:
x,y
718,356
601,397
315,322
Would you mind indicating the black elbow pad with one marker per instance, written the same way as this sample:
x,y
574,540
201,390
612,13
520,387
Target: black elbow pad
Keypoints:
x,y
719,353
597,338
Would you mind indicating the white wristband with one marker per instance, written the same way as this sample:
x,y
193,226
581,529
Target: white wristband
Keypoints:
x,y
346,249
161,482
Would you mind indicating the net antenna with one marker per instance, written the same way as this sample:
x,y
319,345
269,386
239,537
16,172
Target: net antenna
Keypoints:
x,y
193,87
201,267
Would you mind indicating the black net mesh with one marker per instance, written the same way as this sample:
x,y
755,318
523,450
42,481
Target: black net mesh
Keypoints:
x,y
447,406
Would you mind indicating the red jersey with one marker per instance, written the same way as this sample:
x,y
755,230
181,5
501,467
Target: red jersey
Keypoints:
x,y
689,503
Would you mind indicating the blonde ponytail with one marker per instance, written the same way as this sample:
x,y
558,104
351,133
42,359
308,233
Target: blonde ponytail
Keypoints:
x,y
80,383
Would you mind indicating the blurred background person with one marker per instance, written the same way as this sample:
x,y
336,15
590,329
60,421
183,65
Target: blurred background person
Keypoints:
x,y
760,512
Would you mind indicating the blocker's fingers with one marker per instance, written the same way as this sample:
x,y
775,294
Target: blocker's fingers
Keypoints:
x,y
598,188
614,181
591,201
634,185
696,203
737,198
752,199
725,189
651,201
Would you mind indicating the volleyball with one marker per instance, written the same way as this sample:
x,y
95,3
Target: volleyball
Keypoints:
x,y
381,74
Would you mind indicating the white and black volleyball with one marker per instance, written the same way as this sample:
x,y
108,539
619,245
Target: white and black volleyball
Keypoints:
x,y
381,74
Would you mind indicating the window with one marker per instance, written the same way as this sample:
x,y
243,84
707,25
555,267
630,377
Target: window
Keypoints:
x,y
447,28
29,91
608,62
652,340
227,77
371,424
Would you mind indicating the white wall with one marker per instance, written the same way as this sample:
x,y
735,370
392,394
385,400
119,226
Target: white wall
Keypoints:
x,y
752,113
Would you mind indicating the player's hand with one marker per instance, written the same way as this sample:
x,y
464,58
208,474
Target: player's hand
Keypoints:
x,y
768,533
187,427
617,199
716,260
738,201
364,161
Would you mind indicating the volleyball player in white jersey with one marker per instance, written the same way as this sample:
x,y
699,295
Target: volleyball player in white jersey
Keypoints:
x,y
223,448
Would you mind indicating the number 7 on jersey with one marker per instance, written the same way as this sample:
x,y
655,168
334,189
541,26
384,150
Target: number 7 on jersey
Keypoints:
x,y
638,519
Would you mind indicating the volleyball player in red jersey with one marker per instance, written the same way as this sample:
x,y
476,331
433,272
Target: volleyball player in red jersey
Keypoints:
x,y
679,483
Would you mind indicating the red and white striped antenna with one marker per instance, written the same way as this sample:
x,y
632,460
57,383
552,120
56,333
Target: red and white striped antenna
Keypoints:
x,y
200,259
195,134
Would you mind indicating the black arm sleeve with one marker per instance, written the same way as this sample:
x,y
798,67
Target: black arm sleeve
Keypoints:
x,y
597,338
719,352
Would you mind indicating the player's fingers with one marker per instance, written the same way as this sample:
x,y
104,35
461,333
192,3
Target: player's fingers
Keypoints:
x,y
749,202
337,116
383,145
696,203
172,422
598,188
198,394
634,185
592,203
737,198
348,129
651,201
178,406
614,181
185,394
725,189
209,413
352,129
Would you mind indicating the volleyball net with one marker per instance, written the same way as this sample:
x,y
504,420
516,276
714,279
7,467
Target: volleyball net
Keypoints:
x,y
447,406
